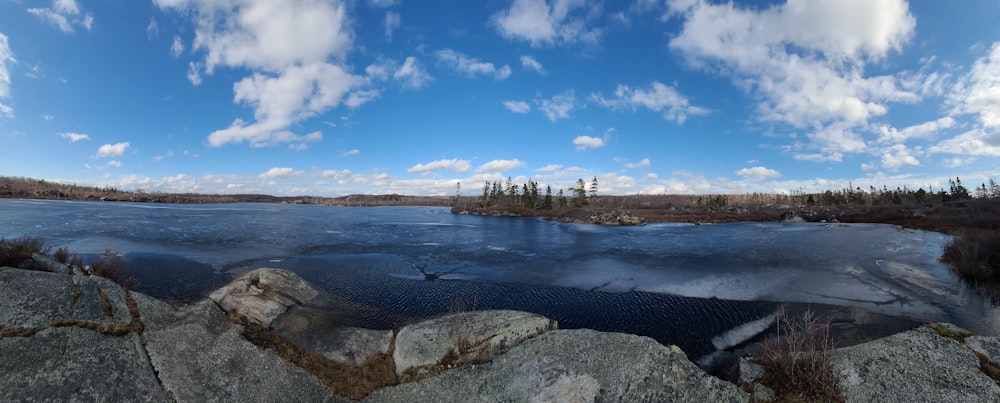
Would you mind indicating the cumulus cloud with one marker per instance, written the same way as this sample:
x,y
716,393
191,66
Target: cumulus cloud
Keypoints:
x,y
559,106
549,168
758,173
74,137
6,58
641,164
658,98
455,165
529,63
546,23
64,14
977,141
288,83
470,66
926,130
411,74
350,153
517,106
978,92
112,150
279,172
115,163
584,142
803,60
500,165
898,155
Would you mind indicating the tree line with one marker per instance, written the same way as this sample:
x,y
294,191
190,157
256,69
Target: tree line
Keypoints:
x,y
529,195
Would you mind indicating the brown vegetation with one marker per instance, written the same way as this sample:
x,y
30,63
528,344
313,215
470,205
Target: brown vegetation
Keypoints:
x,y
974,254
112,267
798,360
16,251
379,370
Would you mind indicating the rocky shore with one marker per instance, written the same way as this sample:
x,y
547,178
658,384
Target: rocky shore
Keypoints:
x,y
70,336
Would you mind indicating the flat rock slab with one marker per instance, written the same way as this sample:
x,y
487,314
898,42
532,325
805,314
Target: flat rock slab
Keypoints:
x,y
917,365
33,299
470,336
201,356
61,364
580,364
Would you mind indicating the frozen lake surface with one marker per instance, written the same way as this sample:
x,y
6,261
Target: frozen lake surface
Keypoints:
x,y
682,284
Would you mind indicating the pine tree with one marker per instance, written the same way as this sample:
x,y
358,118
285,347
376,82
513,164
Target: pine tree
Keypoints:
x,y
547,204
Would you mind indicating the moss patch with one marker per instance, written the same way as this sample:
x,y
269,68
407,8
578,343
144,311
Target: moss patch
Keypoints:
x,y
956,334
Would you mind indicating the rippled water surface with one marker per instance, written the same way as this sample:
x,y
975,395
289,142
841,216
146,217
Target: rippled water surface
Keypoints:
x,y
679,283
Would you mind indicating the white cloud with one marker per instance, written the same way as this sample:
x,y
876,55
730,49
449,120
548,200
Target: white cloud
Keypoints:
x,y
977,141
926,130
470,66
296,93
350,153
659,98
898,155
517,106
758,173
392,21
383,3
500,165
584,142
47,117
64,14
6,57
177,46
153,29
112,150
74,137
455,165
641,164
541,23
559,106
978,92
115,163
276,172
549,168
288,83
411,74
803,60
529,63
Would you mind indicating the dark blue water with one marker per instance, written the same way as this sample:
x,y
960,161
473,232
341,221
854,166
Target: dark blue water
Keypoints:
x,y
679,283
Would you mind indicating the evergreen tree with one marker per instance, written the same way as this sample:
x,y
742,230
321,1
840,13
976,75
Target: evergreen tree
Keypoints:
x,y
562,200
547,204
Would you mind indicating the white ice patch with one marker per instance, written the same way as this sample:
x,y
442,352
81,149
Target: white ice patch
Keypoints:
x,y
739,334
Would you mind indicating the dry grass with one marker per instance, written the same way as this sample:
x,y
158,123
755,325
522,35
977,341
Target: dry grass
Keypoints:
x,y
974,254
112,267
62,255
798,360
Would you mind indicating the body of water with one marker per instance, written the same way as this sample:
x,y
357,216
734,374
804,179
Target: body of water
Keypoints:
x,y
681,284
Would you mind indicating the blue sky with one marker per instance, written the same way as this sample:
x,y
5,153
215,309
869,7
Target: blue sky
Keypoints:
x,y
327,97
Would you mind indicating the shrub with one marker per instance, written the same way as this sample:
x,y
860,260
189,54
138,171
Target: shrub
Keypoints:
x,y
112,267
62,255
16,251
798,360
974,254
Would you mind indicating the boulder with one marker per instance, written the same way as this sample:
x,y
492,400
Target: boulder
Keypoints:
x,y
70,363
49,264
923,364
988,346
580,364
263,294
463,337
200,356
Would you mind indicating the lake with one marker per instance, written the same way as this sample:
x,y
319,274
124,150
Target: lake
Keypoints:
x,y
682,284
